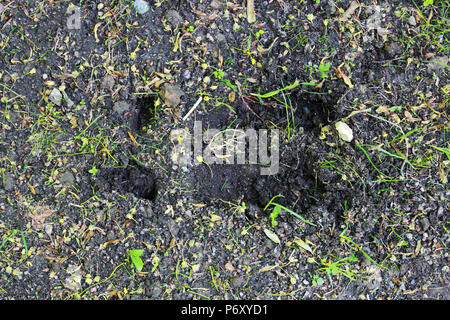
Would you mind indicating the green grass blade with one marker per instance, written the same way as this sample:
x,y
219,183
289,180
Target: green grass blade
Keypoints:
x,y
275,92
370,160
363,252
294,213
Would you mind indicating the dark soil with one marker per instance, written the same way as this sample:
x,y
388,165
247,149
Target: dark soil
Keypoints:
x,y
90,178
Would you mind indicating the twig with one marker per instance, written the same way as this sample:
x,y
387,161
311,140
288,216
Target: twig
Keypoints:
x,y
246,104
193,108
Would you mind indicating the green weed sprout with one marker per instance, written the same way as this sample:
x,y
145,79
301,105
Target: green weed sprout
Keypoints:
x,y
277,210
23,240
323,68
135,256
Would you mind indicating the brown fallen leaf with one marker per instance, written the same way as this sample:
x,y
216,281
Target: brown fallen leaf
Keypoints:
x,y
107,243
199,13
38,218
342,75
229,266
62,76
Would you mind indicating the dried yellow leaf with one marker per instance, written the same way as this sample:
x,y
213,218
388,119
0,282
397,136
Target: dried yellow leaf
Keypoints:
x,y
95,31
251,18
231,96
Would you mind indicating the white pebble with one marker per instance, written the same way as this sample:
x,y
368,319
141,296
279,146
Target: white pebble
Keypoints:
x,y
345,132
141,6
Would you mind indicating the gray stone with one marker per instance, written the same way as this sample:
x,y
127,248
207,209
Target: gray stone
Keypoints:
x,y
141,6
404,268
121,106
216,4
6,78
148,212
220,37
66,178
412,21
374,281
73,282
425,224
237,282
48,228
171,93
393,49
56,97
68,101
108,82
13,116
437,64
173,18
110,235
187,74
330,9
173,227
155,292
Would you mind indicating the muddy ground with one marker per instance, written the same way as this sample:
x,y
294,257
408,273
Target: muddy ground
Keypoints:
x,y
92,205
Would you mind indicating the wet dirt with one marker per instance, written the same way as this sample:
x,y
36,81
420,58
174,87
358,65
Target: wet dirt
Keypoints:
x,y
202,226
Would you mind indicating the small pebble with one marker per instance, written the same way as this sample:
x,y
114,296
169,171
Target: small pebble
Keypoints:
x,y
187,74
141,6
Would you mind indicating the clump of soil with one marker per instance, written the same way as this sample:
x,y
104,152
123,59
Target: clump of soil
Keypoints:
x,y
133,178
